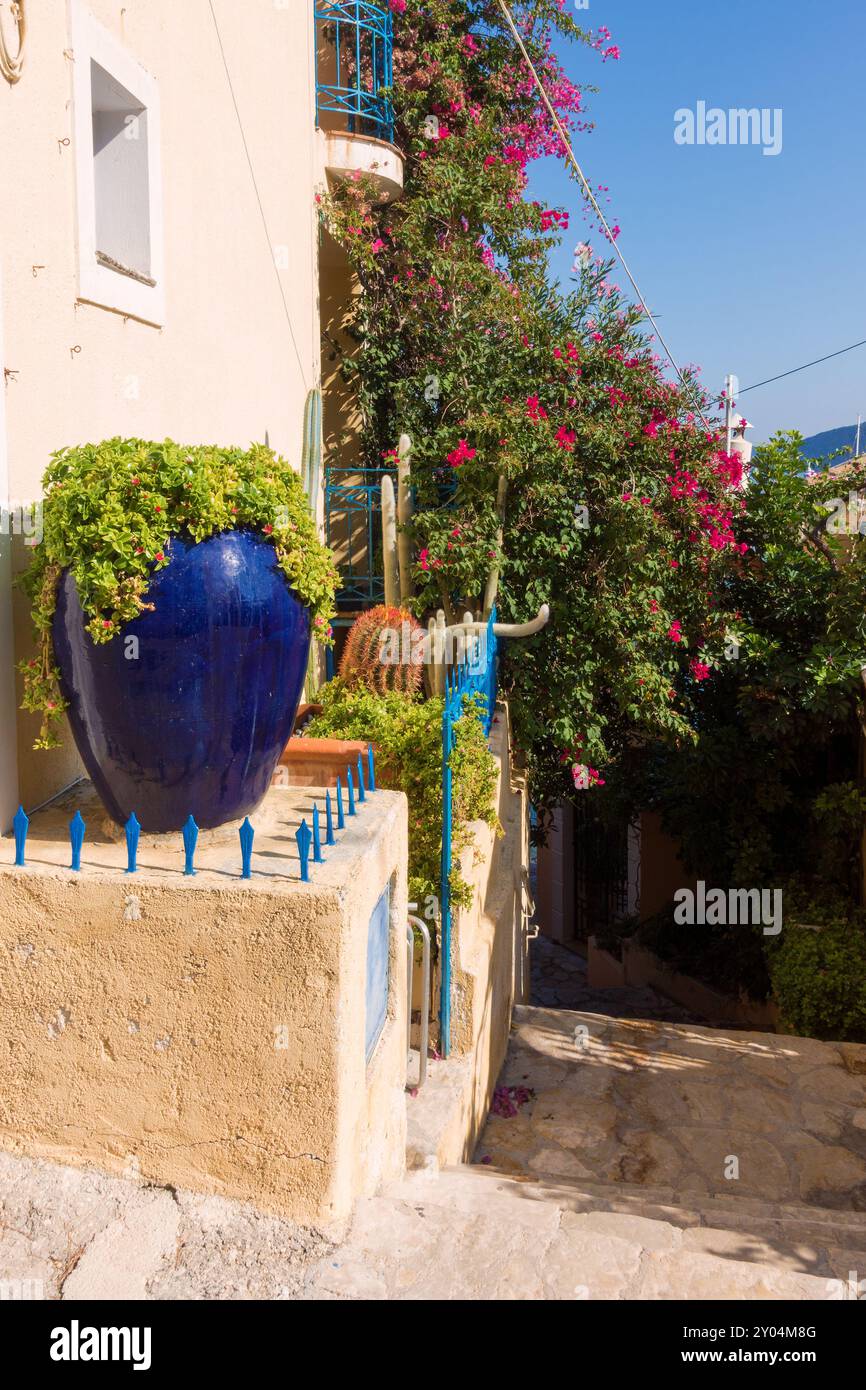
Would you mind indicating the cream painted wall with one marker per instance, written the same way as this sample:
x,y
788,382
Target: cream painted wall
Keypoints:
x,y
225,366
8,758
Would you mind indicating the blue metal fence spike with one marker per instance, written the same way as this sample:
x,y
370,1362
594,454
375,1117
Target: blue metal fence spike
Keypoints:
x,y
350,785
77,828
317,837
190,839
362,795
341,819
304,839
371,769
247,834
133,830
20,825
329,821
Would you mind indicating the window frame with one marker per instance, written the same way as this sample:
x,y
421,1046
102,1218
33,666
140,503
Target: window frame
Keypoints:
x,y
99,284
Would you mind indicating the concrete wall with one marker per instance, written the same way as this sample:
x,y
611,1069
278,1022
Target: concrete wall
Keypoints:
x,y
662,871
490,968
232,361
202,1032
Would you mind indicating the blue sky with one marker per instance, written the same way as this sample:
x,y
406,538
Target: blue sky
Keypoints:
x,y
755,263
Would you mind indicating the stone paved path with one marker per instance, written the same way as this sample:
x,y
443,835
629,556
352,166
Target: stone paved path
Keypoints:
x,y
631,1101
558,980
608,1183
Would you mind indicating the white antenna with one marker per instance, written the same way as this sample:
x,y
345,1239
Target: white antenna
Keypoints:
x,y
732,390
857,445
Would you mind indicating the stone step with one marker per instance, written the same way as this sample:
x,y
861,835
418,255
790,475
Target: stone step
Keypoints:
x,y
472,1233
813,1240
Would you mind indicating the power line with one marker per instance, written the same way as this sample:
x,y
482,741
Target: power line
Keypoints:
x,y
257,193
794,370
592,200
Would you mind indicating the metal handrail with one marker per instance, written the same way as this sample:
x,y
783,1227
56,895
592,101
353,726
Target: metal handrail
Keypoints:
x,y
424,1036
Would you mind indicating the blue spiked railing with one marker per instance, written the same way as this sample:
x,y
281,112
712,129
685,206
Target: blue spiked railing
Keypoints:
x,y
77,828
247,835
354,47
133,832
20,825
190,840
308,840
304,837
474,675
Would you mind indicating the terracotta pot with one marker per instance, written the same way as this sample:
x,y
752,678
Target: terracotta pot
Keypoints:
x,y
318,762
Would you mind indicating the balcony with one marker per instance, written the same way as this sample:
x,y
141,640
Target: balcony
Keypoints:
x,y
354,115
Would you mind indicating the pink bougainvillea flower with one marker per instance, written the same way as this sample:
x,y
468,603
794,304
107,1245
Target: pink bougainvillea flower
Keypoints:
x,y
674,632
534,409
461,454
699,669
423,559
507,1100
565,438
378,245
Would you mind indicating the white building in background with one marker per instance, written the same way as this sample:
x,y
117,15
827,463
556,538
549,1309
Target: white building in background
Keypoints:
x,y
159,251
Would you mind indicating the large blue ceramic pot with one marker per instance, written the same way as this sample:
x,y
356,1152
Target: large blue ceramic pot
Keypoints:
x,y
191,717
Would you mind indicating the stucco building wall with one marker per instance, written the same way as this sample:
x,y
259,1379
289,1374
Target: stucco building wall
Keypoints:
x,y
239,345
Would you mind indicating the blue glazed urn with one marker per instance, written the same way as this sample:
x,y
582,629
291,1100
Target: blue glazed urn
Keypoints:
x,y
186,711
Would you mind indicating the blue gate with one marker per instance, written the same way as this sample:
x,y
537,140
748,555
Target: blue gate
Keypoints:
x,y
474,675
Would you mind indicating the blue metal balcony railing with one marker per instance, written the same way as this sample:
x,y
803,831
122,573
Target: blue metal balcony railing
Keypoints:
x,y
353,530
354,45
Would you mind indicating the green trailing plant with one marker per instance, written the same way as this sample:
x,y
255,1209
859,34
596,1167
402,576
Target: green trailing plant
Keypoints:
x,y
407,734
384,651
109,514
819,978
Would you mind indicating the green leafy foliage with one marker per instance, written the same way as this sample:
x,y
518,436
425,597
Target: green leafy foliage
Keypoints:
x,y
109,514
778,724
515,392
819,979
407,733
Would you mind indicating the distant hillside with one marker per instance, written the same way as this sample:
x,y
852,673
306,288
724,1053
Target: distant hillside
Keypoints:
x,y
820,446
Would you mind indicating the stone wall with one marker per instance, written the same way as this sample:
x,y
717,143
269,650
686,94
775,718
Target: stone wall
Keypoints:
x,y
207,1033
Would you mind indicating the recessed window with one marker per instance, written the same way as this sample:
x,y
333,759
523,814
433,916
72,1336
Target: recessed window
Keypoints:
x,y
116,105
120,176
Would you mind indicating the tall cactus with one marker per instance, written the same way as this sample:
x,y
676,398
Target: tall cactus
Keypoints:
x,y
311,453
397,557
311,473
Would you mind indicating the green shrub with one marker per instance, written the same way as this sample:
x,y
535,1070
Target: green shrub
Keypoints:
x,y
819,980
727,958
109,512
407,733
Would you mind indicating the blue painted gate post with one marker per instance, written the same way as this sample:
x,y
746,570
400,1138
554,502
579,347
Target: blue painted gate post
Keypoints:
x,y
445,881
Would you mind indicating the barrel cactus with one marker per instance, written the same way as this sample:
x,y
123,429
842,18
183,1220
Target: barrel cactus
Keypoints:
x,y
384,651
